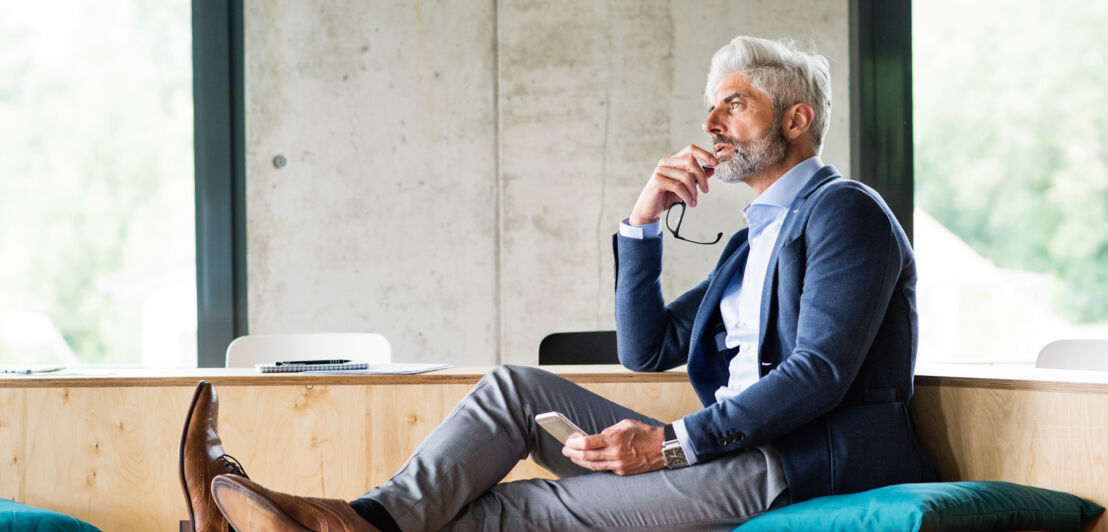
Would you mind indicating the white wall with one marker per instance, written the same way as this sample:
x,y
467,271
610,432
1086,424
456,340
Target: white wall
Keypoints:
x,y
456,169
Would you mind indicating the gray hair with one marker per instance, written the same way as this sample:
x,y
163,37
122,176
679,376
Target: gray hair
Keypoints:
x,y
788,76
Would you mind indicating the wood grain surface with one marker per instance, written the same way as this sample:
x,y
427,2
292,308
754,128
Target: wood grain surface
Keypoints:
x,y
104,449
134,377
108,454
1049,439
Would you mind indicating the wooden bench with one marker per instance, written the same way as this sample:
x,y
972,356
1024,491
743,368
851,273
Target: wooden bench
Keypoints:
x,y
1038,427
103,448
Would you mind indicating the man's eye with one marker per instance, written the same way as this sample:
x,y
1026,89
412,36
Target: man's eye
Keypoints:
x,y
735,106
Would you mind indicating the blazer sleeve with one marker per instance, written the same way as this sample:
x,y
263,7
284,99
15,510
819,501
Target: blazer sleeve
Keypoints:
x,y
850,265
650,335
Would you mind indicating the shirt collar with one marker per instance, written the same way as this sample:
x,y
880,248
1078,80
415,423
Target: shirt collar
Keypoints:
x,y
783,191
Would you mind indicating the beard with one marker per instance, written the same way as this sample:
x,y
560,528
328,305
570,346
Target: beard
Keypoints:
x,y
751,157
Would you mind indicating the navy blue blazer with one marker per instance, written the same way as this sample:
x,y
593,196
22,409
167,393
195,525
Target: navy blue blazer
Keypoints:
x,y
837,342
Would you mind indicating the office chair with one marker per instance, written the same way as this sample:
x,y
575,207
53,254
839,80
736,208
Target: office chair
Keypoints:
x,y
246,351
586,347
1074,354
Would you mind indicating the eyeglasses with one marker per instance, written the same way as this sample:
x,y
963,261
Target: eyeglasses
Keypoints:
x,y
681,216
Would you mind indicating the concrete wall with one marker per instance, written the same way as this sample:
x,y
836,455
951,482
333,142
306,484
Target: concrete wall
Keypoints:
x,y
456,169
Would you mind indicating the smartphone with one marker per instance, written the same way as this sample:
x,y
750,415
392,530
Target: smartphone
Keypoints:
x,y
558,426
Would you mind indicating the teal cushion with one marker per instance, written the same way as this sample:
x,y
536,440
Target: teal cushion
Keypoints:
x,y
16,517
934,506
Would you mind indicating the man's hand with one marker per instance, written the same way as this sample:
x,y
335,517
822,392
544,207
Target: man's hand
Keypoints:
x,y
676,178
626,448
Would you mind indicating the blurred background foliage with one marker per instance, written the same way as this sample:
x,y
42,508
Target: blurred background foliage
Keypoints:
x,y
1011,136
96,177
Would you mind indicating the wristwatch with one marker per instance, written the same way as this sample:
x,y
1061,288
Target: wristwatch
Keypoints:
x,y
672,452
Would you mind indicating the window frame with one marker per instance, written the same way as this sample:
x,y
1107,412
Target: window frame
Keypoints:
x,y
880,134
881,143
220,172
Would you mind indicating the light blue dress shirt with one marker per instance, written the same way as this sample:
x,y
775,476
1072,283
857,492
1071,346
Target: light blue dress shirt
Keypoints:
x,y
741,305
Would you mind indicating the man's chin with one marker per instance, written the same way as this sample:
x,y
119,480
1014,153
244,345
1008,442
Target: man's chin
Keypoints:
x,y
728,174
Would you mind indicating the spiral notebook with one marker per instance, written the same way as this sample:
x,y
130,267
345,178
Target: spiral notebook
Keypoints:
x,y
298,368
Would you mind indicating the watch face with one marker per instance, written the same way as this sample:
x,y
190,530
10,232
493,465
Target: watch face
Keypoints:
x,y
674,455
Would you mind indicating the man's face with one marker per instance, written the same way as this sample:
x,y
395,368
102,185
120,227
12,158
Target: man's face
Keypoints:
x,y
745,130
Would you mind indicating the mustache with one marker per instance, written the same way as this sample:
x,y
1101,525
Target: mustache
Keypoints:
x,y
720,139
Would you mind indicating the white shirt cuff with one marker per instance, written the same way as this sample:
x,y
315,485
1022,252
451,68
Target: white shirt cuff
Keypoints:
x,y
640,232
683,437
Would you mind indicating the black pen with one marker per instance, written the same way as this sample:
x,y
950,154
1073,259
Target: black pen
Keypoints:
x,y
312,362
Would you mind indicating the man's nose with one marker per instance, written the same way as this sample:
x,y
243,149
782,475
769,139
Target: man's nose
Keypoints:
x,y
711,124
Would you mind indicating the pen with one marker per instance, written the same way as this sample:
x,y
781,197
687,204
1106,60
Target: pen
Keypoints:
x,y
312,362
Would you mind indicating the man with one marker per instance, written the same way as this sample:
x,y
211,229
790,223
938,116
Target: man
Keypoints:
x,y
801,345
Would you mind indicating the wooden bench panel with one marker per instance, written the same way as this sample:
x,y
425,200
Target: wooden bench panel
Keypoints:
x,y
1046,437
108,454
105,450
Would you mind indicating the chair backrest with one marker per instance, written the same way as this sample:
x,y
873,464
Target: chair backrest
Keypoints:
x,y
586,347
246,351
1074,354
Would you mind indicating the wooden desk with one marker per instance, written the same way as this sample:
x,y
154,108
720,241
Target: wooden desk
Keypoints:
x,y
103,448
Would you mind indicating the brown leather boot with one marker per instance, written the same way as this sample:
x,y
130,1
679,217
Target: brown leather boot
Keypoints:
x,y
250,507
202,459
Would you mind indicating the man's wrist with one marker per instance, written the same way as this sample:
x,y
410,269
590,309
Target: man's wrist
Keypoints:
x,y
673,455
686,442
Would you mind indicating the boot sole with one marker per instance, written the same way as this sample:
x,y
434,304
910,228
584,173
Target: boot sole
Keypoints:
x,y
249,511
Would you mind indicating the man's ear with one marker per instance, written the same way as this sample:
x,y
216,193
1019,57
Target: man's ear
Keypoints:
x,y
797,120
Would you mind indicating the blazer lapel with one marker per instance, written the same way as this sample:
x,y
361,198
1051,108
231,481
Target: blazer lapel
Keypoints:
x,y
789,232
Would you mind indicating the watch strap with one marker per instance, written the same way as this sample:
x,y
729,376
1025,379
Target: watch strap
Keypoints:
x,y
670,432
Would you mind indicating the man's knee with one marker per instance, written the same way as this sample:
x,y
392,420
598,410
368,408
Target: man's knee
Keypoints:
x,y
514,373
516,380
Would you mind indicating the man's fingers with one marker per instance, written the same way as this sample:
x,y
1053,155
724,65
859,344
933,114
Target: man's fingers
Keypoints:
x,y
679,182
581,442
708,156
588,455
689,165
679,177
618,448
619,467
595,448
595,465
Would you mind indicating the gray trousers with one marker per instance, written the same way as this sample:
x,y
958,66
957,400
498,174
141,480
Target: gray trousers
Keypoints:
x,y
451,481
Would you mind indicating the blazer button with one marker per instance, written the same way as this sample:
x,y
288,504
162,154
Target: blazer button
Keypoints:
x,y
739,436
722,441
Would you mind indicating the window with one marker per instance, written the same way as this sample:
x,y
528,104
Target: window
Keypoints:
x,y
100,232
1010,176
97,202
